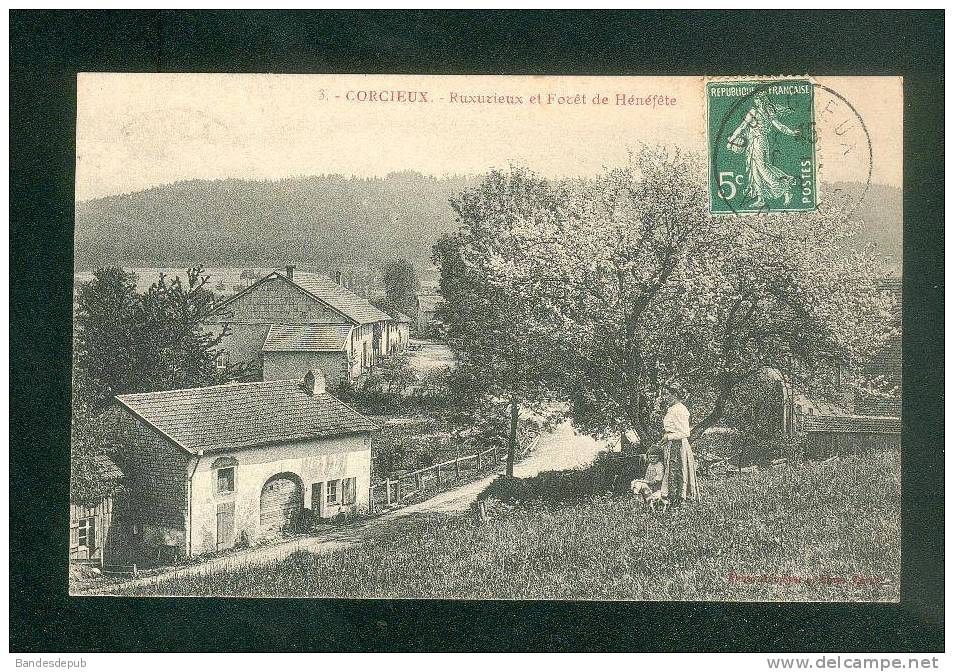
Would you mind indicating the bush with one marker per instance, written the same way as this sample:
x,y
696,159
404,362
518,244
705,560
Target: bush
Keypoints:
x,y
606,472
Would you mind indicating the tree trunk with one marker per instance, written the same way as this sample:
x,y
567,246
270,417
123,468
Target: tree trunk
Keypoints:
x,y
512,443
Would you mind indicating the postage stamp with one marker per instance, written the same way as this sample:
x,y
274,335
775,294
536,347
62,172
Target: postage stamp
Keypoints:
x,y
761,146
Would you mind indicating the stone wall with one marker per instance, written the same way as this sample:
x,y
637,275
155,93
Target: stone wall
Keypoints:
x,y
157,482
294,365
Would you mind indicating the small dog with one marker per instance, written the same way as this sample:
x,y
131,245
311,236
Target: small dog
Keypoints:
x,y
653,498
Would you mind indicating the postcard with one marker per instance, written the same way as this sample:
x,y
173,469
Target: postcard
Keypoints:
x,y
487,337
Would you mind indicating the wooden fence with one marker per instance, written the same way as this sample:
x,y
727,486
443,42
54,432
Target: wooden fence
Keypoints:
x,y
397,490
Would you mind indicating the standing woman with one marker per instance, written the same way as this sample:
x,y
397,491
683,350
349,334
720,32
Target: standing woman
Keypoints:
x,y
679,476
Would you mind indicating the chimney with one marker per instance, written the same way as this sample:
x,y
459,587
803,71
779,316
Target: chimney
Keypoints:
x,y
290,272
314,382
338,277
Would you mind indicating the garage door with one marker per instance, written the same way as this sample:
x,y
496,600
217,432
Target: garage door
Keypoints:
x,y
281,504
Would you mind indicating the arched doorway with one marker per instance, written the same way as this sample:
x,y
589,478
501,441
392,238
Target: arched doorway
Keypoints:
x,y
282,502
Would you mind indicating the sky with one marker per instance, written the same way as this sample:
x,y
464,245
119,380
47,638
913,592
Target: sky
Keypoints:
x,y
136,131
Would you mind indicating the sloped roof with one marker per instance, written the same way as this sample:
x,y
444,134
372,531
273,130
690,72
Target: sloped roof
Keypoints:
x,y
401,317
306,337
323,289
340,298
849,424
244,415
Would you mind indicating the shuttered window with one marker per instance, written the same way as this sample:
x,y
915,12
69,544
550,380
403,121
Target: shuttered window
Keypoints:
x,y
333,492
349,490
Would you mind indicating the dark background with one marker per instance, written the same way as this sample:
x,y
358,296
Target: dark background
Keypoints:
x,y
48,49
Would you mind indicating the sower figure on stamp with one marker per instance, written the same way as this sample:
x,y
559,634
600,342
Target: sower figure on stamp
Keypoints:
x,y
679,462
754,137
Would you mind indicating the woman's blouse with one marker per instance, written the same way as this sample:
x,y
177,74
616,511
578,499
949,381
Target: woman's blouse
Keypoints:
x,y
676,422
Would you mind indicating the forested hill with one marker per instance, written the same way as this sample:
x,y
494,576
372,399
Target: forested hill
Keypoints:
x,y
315,220
239,222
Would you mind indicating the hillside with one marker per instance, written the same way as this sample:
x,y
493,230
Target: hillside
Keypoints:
x,y
881,212
244,223
318,221
818,532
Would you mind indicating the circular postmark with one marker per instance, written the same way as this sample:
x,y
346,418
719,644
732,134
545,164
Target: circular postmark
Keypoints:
x,y
771,140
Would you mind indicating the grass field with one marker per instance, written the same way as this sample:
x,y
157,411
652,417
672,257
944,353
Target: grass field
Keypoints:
x,y
817,532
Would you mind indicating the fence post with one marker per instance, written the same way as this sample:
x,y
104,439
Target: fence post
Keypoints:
x,y
438,475
387,491
478,460
417,481
397,489
457,467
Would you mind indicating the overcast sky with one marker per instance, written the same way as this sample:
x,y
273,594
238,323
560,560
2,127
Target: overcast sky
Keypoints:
x,y
135,131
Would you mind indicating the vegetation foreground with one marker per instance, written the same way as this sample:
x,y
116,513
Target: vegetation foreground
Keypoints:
x,y
816,532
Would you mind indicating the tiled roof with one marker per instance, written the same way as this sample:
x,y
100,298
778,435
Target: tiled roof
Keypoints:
x,y
850,424
340,298
244,415
306,337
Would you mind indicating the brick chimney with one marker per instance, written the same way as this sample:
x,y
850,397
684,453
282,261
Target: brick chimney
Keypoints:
x,y
314,382
290,272
338,277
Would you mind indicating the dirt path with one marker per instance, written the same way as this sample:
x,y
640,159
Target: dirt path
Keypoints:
x,y
561,448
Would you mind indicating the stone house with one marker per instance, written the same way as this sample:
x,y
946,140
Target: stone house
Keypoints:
x,y
209,467
286,324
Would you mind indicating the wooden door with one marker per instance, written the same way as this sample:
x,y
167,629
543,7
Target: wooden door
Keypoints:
x,y
318,500
282,501
225,526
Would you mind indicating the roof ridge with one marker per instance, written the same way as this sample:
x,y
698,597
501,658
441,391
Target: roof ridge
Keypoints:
x,y
207,387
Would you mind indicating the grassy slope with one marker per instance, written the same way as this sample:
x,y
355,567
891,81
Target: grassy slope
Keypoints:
x,y
834,520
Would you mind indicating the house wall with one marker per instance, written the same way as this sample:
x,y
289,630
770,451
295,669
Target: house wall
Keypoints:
x,y
359,362
244,344
399,333
294,365
313,461
157,483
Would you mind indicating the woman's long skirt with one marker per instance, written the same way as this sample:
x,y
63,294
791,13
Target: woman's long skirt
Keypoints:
x,y
679,482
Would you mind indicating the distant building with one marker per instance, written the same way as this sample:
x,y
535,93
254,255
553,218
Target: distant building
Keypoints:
x,y
863,420
427,305
402,334
286,324
209,467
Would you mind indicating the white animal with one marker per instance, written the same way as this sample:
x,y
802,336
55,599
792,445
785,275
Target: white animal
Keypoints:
x,y
653,498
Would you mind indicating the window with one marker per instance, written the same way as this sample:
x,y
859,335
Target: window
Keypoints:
x,y
86,532
222,361
332,497
348,490
226,480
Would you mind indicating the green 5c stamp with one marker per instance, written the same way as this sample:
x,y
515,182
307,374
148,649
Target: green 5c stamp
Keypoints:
x,y
761,146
